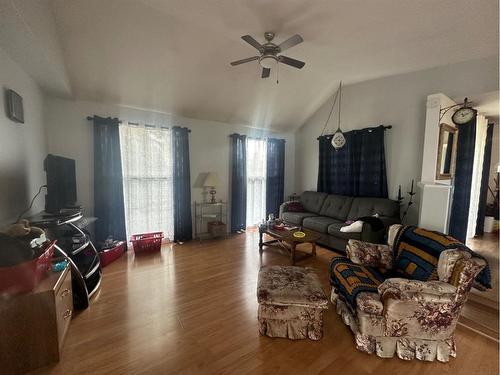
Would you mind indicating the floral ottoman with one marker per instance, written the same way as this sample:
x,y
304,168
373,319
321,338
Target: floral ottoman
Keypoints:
x,y
291,303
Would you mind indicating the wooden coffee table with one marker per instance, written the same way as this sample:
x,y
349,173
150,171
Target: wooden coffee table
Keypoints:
x,y
284,239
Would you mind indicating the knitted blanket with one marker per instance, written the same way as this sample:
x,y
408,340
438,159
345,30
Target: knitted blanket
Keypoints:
x,y
417,251
349,279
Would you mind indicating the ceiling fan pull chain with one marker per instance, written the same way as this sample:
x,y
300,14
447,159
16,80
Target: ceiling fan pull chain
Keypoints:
x,y
277,74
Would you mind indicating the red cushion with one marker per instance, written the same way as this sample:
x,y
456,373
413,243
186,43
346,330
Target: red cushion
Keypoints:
x,y
295,207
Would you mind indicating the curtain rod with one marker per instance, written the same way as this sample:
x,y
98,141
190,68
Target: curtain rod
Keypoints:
x,y
91,118
386,127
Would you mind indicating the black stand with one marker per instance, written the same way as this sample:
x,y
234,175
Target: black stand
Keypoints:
x,y
74,244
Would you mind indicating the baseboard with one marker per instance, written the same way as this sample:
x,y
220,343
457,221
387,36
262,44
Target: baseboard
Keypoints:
x,y
478,328
483,301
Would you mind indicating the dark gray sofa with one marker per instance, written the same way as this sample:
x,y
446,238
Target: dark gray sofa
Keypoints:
x,y
327,213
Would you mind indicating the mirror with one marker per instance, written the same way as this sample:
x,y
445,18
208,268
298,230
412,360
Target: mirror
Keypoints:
x,y
447,152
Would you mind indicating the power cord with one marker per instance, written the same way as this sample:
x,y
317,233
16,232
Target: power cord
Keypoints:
x,y
31,203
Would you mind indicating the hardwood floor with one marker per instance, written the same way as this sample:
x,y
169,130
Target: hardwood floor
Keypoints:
x,y
481,311
192,309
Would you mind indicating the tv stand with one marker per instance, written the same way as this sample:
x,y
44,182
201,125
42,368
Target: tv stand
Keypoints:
x,y
74,244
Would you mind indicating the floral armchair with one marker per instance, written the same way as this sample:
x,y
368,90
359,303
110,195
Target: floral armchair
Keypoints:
x,y
413,318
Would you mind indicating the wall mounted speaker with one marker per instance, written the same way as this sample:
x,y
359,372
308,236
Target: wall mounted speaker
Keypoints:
x,y
15,109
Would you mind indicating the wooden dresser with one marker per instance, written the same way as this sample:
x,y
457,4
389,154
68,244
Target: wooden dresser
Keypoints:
x,y
33,325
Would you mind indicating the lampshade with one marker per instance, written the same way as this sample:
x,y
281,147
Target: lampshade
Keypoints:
x,y
211,180
498,168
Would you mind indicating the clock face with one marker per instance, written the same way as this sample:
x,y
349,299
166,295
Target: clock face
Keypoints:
x,y
463,116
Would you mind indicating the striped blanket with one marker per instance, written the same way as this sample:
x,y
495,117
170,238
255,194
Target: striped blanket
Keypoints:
x,y
349,279
417,251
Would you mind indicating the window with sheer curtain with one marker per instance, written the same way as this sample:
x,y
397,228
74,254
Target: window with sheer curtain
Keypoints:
x,y
147,170
256,180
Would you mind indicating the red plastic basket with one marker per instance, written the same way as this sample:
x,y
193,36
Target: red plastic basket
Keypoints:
x,y
147,242
25,276
110,255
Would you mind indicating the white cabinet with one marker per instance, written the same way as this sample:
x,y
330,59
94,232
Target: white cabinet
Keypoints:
x,y
435,206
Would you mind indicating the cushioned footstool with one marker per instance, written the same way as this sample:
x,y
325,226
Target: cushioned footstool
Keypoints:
x,y
291,303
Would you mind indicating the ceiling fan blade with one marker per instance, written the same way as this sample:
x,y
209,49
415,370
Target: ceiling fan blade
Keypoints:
x,y
242,61
292,62
290,42
250,40
265,72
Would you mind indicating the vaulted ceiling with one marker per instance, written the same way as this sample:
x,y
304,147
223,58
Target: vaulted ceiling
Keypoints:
x,y
174,55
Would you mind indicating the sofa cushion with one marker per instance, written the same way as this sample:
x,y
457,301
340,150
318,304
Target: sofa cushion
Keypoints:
x,y
319,223
363,206
334,230
296,217
312,201
336,206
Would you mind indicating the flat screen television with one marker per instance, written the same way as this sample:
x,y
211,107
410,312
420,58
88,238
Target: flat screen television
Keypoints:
x,y
61,183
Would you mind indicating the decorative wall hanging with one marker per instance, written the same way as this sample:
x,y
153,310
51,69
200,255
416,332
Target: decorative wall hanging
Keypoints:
x,y
338,139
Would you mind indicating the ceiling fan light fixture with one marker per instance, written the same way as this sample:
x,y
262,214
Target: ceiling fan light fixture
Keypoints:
x,y
268,56
268,61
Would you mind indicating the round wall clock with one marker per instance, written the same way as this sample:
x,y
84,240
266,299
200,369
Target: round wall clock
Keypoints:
x,y
463,115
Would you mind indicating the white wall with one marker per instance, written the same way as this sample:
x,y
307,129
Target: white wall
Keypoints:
x,y
399,101
23,147
70,135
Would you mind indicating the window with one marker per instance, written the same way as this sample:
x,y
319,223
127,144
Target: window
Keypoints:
x,y
256,181
147,169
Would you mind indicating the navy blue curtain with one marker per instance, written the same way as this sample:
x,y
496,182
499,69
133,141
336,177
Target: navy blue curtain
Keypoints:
x,y
238,182
183,225
483,194
108,180
357,169
463,180
275,175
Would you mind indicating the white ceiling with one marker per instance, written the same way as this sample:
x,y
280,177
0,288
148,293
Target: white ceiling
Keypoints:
x,y
28,34
174,55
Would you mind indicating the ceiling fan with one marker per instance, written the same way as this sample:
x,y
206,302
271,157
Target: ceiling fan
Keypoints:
x,y
269,53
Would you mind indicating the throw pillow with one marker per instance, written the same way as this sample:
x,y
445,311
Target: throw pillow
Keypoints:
x,y
355,227
295,207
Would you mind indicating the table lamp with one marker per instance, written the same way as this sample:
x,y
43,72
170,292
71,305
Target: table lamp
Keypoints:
x,y
211,181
